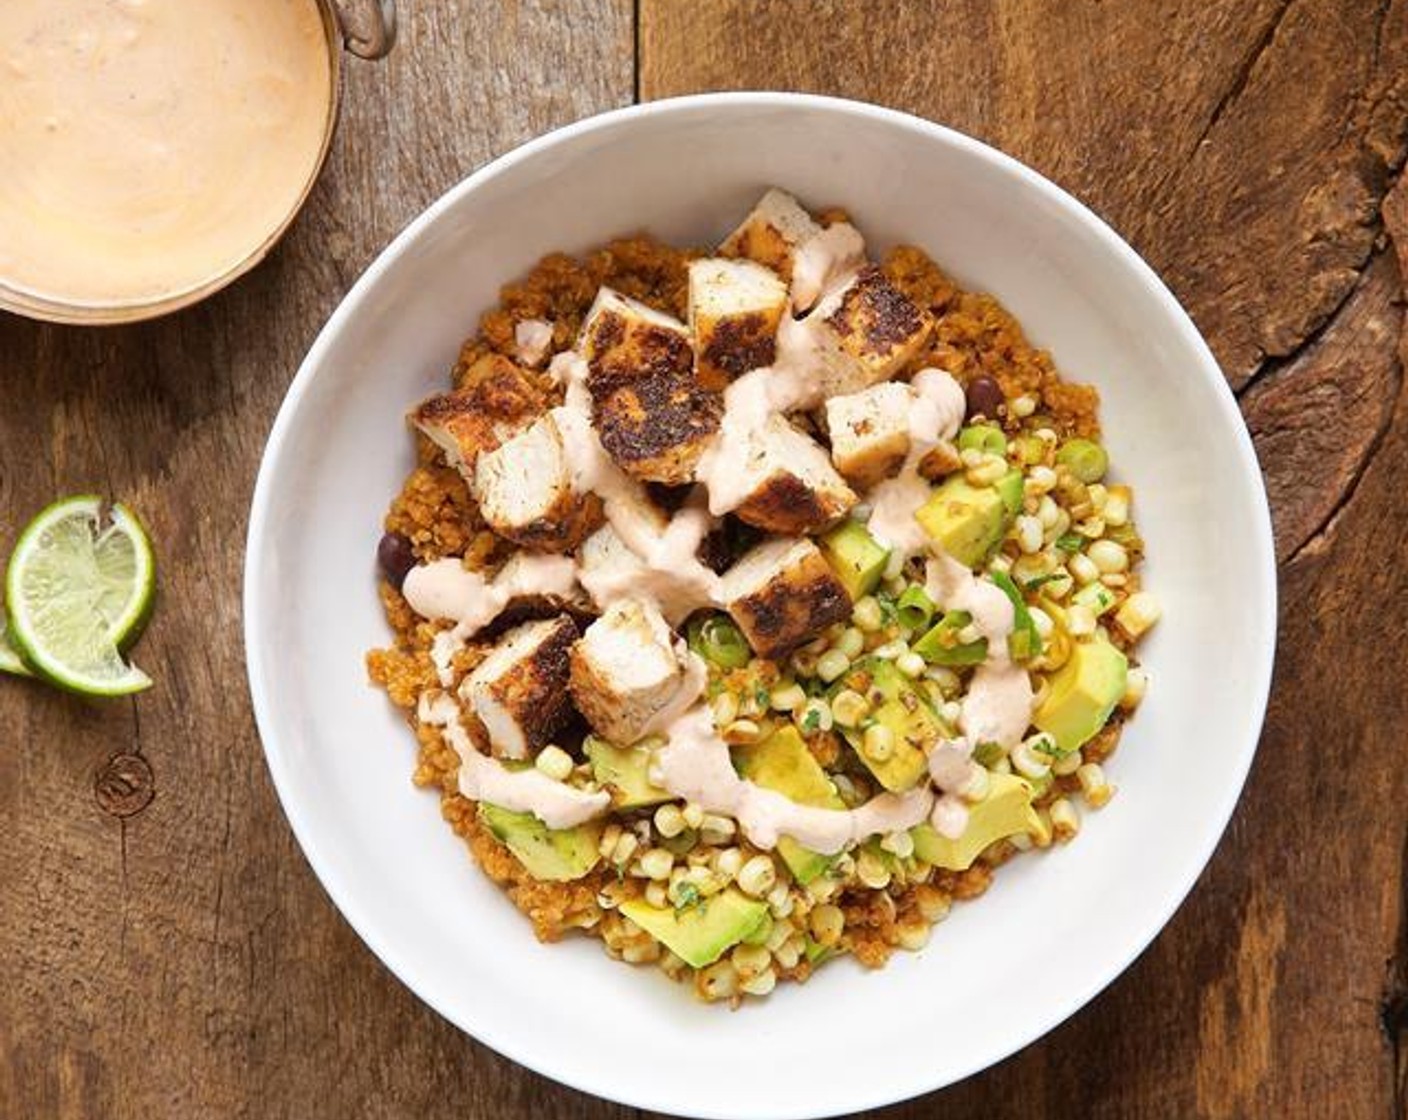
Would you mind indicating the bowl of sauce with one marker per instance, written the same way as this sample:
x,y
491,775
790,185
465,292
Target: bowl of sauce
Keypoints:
x,y
156,150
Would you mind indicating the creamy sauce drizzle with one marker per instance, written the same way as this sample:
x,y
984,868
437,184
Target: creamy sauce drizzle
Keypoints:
x,y
936,413
482,778
660,566
824,261
150,146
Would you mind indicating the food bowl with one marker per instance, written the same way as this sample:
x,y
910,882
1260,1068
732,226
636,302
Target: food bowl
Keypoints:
x,y
341,757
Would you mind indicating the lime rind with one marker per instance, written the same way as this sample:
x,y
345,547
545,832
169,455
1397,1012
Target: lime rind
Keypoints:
x,y
70,613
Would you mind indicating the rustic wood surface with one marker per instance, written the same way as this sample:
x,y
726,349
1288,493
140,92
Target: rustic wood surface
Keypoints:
x,y
167,952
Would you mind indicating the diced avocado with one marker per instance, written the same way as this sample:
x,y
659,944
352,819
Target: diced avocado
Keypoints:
x,y
1006,811
1082,693
1024,642
969,521
898,705
782,763
857,558
700,934
625,772
550,854
940,645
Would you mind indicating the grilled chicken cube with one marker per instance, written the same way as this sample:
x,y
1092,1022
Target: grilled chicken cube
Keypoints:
x,y
870,432
651,414
625,670
734,309
783,593
790,482
497,401
524,490
865,333
519,693
771,233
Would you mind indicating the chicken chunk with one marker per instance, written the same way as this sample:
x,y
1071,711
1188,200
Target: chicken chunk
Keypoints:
x,y
497,400
865,333
625,670
783,593
771,233
790,483
734,309
524,490
651,414
870,432
519,693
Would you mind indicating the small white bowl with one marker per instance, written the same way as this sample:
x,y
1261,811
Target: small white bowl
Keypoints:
x,y
1056,927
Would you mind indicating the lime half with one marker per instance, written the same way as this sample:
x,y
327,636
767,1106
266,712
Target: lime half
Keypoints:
x,y
10,660
78,592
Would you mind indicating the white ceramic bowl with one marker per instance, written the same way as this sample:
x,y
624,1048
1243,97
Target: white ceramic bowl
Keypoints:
x,y
341,759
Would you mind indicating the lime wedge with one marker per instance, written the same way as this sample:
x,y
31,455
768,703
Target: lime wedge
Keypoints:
x,y
78,592
10,660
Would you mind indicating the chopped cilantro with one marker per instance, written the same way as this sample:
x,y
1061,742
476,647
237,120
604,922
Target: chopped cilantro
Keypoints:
x,y
987,754
1037,581
686,895
811,721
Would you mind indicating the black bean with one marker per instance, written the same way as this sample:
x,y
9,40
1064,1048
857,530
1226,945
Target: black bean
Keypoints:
x,y
984,397
396,557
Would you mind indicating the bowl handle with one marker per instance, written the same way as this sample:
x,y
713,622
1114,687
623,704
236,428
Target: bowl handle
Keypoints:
x,y
380,34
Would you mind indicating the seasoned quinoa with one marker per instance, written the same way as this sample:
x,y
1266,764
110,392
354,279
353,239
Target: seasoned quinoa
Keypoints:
x,y
879,895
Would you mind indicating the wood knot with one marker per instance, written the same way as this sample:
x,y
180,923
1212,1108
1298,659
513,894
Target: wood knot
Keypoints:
x,y
125,785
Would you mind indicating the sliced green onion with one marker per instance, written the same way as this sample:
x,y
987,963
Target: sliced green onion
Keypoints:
x,y
987,438
1024,642
987,754
1085,459
914,608
1070,542
715,638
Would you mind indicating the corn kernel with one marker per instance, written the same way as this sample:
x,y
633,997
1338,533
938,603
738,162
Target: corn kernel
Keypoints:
x,y
757,876
1022,407
912,936
729,862
555,762
669,821
851,643
657,895
866,615
1136,683
1028,759
899,843
910,664
1080,622
878,743
871,870
656,864
1065,820
1093,785
849,707
826,923
1109,556
814,715
787,698
1083,568
725,708
716,829
1116,511
742,731
831,665
761,984
1139,613
1029,534
693,814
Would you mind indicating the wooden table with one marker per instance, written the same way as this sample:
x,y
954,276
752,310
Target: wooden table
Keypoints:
x,y
167,952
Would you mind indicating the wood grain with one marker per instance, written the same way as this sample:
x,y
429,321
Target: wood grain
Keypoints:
x,y
182,961
166,951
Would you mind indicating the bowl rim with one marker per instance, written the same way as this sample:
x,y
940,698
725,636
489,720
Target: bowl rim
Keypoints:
x,y
480,1026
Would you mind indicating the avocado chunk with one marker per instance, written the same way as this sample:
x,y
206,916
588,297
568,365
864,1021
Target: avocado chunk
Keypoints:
x,y
550,854
1006,811
625,772
700,934
940,644
856,557
783,764
969,521
1083,693
897,704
